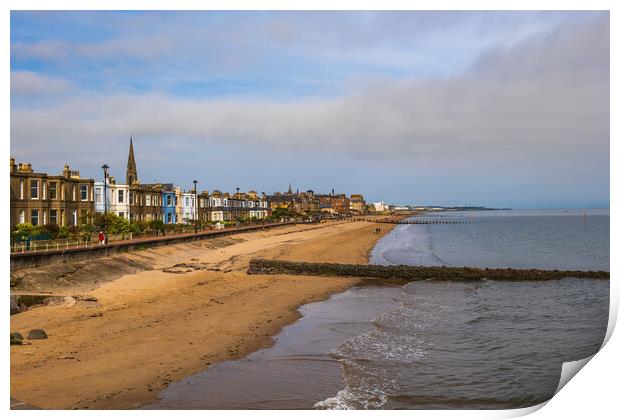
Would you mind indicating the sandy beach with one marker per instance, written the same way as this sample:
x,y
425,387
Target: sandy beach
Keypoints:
x,y
148,328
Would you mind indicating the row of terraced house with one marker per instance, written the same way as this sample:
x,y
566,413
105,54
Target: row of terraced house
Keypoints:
x,y
68,199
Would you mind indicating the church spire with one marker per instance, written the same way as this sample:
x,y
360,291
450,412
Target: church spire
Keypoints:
x,y
132,172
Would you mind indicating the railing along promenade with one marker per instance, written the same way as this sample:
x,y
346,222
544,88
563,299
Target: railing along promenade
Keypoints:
x,y
70,243
80,250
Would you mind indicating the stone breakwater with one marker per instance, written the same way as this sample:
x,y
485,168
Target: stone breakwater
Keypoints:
x,y
411,273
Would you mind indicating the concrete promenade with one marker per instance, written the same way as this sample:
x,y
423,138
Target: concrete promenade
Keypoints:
x,y
28,259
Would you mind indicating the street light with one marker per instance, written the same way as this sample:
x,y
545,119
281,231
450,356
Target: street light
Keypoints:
x,y
196,207
105,202
239,206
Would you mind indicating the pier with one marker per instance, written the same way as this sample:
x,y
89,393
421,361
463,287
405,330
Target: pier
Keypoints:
x,y
429,221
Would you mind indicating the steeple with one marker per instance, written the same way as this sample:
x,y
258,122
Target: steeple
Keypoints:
x,y
290,189
132,172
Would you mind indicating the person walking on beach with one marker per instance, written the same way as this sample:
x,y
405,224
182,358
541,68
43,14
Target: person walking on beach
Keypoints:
x,y
101,238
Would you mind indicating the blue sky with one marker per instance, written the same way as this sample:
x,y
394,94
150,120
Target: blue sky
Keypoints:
x,y
490,108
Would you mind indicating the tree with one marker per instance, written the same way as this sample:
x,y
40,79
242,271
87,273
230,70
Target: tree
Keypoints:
x,y
23,231
63,232
86,231
158,226
281,212
112,223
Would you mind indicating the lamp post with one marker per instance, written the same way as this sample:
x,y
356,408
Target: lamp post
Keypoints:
x,y
240,205
105,203
196,207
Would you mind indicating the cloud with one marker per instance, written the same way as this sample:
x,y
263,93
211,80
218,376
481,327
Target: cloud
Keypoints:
x,y
28,83
537,111
217,43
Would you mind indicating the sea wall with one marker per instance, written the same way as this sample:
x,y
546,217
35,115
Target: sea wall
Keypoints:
x,y
40,258
410,273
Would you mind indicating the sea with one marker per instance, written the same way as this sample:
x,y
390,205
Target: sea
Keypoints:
x,y
434,345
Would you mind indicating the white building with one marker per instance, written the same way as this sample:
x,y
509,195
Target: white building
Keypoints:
x,y
188,207
380,206
117,196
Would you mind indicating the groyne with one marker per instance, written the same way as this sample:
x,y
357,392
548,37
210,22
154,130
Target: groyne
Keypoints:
x,y
412,273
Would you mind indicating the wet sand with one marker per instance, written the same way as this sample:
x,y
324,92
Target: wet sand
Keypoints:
x,y
298,370
151,328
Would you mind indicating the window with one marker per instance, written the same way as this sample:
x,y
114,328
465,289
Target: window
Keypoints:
x,y
22,216
131,198
21,189
169,200
186,201
97,195
53,215
34,217
52,190
121,196
84,192
121,214
34,189
148,199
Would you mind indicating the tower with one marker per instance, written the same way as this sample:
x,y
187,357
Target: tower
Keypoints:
x,y
132,172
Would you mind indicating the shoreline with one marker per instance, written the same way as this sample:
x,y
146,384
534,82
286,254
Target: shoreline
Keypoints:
x,y
298,371
152,328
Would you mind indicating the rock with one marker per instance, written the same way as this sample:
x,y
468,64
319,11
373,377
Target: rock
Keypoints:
x,y
16,279
183,268
88,304
96,314
37,334
16,339
85,298
14,305
411,273
68,301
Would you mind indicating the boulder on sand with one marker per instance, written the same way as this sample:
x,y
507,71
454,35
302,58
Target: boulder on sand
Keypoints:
x,y
14,305
16,339
37,334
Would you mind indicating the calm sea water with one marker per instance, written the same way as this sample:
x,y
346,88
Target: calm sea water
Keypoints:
x,y
548,239
429,345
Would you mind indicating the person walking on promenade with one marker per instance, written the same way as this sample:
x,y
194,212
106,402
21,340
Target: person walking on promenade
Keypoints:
x,y
101,238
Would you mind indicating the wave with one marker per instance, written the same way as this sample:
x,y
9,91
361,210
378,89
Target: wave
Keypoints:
x,y
366,358
409,245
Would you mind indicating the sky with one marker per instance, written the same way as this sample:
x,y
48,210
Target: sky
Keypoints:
x,y
500,109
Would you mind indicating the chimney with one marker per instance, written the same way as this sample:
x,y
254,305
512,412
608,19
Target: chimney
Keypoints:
x,y
24,167
13,166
